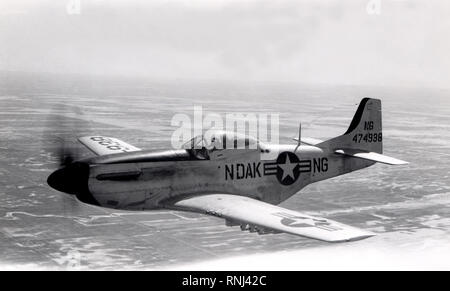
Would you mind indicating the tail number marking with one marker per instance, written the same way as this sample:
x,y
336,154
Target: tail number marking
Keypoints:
x,y
368,125
368,137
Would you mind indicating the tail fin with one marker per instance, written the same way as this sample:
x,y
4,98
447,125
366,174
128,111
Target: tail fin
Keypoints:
x,y
364,138
365,130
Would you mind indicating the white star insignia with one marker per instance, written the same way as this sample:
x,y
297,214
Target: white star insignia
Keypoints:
x,y
288,168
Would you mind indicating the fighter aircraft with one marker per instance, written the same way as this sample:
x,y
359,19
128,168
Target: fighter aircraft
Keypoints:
x,y
213,176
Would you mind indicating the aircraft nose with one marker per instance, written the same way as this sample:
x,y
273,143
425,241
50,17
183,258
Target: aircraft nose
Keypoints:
x,y
71,179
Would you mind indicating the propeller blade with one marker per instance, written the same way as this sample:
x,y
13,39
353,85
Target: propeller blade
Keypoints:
x,y
62,130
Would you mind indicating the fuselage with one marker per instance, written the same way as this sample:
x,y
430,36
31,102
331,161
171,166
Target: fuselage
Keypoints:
x,y
149,179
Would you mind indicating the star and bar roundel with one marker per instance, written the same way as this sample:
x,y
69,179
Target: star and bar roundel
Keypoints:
x,y
287,168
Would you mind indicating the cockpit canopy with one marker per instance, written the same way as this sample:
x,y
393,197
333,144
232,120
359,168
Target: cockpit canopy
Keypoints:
x,y
220,140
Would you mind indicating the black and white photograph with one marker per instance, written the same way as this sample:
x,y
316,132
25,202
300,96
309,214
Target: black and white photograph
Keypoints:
x,y
224,135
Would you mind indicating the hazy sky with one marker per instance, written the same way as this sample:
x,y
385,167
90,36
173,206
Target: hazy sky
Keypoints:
x,y
331,41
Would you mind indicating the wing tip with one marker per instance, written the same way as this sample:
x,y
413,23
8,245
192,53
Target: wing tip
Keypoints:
x,y
355,238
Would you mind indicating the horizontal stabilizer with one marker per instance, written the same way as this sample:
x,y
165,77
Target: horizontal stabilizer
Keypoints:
x,y
371,156
309,141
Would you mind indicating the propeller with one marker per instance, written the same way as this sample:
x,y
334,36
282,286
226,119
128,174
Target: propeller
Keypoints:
x,y
65,153
64,126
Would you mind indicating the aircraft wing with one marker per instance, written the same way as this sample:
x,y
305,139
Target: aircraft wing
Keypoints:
x,y
102,145
261,217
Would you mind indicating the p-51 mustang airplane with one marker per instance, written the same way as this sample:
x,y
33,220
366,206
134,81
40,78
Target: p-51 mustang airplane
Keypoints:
x,y
238,185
